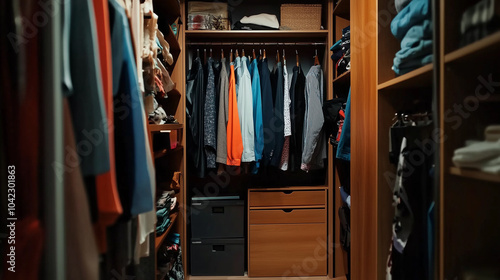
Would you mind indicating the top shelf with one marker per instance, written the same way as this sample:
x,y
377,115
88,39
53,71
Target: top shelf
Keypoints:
x,y
343,9
253,34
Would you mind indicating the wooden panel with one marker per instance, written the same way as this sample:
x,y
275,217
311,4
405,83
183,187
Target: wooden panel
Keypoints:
x,y
287,216
341,261
287,250
255,34
287,198
363,140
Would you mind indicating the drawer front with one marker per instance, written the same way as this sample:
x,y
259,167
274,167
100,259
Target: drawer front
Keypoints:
x,y
287,216
287,250
287,198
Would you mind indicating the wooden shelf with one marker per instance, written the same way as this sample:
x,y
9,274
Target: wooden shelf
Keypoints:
x,y
286,207
160,127
474,174
253,34
344,78
416,78
159,239
343,9
166,152
485,48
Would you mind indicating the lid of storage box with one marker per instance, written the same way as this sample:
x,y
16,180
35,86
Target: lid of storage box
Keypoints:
x,y
200,198
212,241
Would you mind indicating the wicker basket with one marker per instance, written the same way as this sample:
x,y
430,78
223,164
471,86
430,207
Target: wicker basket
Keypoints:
x,y
301,16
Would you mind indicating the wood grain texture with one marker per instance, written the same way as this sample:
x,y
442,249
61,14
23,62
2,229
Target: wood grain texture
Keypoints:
x,y
363,140
287,216
341,262
287,250
287,198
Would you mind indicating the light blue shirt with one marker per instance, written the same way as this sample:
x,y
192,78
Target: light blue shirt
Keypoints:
x,y
245,109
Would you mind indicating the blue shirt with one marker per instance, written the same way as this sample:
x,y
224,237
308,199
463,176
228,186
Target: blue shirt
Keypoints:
x,y
131,150
257,111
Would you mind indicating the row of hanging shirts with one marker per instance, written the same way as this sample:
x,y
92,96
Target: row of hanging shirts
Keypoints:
x,y
245,113
262,54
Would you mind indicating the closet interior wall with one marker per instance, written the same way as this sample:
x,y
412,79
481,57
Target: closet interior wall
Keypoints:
x,y
249,40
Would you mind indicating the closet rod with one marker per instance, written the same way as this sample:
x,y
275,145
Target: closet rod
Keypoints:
x,y
255,44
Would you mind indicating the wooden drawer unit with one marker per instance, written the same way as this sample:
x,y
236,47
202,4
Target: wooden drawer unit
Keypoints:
x,y
287,232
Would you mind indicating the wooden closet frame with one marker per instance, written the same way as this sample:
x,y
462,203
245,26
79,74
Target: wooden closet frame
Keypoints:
x,y
337,261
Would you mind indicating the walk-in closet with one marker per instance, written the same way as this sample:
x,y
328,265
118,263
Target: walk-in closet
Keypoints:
x,y
238,139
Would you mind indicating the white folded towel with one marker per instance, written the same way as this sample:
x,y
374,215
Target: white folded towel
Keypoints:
x,y
476,153
262,19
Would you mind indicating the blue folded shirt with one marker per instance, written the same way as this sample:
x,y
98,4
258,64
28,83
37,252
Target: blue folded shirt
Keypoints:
x,y
416,34
415,13
413,64
336,46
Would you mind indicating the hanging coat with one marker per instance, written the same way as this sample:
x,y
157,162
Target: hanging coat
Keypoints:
x,y
195,119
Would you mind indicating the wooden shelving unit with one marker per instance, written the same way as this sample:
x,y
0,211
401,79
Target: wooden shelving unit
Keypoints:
x,y
159,239
474,174
341,14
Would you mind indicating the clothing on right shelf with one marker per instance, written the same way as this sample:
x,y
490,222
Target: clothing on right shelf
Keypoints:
x,y
413,26
479,21
481,155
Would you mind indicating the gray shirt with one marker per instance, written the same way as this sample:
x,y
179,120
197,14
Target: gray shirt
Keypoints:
x,y
314,143
223,117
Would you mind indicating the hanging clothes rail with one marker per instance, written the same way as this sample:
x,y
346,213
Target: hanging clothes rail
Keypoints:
x,y
255,44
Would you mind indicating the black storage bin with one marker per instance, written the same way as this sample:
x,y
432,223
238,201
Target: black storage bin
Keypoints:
x,y
217,217
218,257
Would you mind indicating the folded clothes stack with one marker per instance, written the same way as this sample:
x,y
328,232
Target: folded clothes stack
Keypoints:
x,y
413,26
258,22
481,155
164,206
342,52
479,21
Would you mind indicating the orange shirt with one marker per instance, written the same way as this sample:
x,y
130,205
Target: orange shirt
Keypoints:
x,y
234,140
108,200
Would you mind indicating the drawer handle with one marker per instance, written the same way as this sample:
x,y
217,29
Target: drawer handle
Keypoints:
x,y
287,210
287,192
218,248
